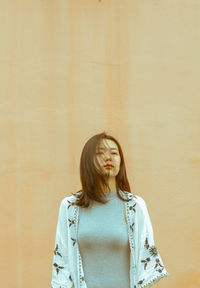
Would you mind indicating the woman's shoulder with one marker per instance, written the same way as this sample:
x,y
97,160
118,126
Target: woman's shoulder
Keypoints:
x,y
135,198
70,199
130,195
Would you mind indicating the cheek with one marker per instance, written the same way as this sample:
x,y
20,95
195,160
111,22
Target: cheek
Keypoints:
x,y
117,163
98,159
117,160
97,162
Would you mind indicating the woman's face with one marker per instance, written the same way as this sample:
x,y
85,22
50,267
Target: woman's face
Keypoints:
x,y
107,153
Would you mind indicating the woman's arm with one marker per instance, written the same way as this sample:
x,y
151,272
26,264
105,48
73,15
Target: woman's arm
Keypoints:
x,y
61,275
150,267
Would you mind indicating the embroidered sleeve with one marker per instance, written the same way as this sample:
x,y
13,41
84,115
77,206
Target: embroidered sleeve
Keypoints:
x,y
149,265
61,276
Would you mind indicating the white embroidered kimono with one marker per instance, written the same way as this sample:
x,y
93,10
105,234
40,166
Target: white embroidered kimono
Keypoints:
x,y
146,265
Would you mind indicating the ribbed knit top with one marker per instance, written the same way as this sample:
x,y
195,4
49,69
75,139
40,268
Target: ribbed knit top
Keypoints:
x,y
103,243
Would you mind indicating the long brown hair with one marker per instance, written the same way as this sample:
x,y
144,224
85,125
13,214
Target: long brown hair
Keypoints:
x,y
92,181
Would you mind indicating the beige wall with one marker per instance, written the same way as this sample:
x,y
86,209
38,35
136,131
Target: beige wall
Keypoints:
x,y
71,69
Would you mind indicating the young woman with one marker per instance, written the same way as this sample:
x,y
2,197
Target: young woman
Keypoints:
x,y
104,236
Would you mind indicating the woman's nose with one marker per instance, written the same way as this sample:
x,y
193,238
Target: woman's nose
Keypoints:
x,y
107,156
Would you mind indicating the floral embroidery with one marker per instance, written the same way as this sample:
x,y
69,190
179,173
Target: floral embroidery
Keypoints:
x,y
159,264
153,250
131,226
71,222
145,261
57,267
82,278
129,195
70,204
74,241
56,251
146,245
141,281
132,207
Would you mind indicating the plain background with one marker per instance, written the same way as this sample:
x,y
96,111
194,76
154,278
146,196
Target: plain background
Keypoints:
x,y
72,69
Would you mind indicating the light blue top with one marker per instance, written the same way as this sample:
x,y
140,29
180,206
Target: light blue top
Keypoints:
x,y
103,243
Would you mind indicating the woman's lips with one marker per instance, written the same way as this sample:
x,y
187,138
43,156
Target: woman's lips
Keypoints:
x,y
108,166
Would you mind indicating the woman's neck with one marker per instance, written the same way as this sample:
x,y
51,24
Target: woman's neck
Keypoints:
x,y
111,184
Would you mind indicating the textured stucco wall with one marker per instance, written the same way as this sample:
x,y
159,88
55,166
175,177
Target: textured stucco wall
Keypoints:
x,y
71,69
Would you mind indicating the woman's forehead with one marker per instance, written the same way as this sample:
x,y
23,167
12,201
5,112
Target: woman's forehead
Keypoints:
x,y
107,144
